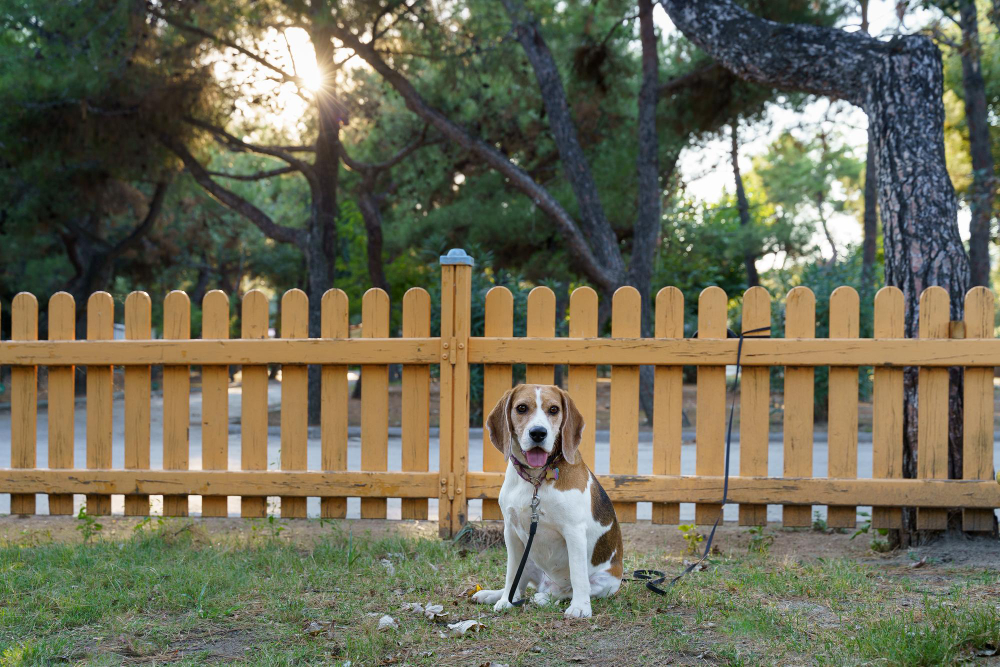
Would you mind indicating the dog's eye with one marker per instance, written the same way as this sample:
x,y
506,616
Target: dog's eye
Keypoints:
x,y
554,410
522,408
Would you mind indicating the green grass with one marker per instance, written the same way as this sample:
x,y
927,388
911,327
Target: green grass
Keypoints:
x,y
174,593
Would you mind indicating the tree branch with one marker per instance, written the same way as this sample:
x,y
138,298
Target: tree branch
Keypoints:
x,y
696,77
493,158
257,176
152,213
771,53
238,145
230,199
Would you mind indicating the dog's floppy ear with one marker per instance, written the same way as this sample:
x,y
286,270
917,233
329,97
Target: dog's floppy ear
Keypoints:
x,y
572,428
499,425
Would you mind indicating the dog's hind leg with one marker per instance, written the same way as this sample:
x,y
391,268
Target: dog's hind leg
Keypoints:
x,y
603,584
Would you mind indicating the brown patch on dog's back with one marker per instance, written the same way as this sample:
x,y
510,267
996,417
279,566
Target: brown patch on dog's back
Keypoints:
x,y
609,545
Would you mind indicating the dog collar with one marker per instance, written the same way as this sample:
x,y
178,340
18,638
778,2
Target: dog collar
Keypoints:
x,y
548,471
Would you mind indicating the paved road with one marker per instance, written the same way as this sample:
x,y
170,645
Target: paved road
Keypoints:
x,y
775,455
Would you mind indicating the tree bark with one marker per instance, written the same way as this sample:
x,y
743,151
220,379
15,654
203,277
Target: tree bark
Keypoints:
x,y
743,206
870,241
372,215
899,86
983,178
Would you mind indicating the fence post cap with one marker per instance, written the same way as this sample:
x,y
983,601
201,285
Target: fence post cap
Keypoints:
x,y
457,256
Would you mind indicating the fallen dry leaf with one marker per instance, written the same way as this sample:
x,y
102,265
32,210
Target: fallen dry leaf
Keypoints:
x,y
387,623
460,628
919,563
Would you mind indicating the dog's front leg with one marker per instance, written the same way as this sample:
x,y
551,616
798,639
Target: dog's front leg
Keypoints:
x,y
515,549
579,572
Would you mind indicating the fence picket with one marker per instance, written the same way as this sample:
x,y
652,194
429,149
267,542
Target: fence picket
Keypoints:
x,y
100,326
977,455
374,398
176,399
800,322
23,400
755,406
333,425
294,399
710,423
843,405
541,324
215,400
626,322
497,379
668,400
887,404
416,398
62,398
138,309
581,381
253,409
932,402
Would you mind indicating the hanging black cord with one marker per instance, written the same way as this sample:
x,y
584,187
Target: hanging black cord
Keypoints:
x,y
527,550
654,578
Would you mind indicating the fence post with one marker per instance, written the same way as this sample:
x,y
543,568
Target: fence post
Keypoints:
x,y
456,304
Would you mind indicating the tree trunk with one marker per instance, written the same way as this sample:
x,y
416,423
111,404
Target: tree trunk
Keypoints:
x,y
869,244
899,85
743,206
983,179
372,215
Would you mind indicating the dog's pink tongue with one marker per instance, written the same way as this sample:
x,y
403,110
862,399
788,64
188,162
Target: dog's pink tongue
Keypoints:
x,y
536,457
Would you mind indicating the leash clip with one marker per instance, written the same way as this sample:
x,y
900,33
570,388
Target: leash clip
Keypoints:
x,y
535,502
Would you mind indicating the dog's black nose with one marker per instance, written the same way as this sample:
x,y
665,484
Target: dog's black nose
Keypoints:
x,y
538,433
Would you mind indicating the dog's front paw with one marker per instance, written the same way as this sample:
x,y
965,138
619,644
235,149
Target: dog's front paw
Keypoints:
x,y
578,610
487,597
502,604
541,599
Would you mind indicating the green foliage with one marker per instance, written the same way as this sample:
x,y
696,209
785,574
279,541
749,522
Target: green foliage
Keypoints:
x,y
88,525
760,542
692,538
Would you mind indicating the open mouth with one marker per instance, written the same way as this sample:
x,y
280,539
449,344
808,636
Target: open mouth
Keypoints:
x,y
536,457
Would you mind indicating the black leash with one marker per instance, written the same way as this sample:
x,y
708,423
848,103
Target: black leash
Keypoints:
x,y
654,578
527,548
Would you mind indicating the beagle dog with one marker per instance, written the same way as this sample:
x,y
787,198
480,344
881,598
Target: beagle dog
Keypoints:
x,y
577,552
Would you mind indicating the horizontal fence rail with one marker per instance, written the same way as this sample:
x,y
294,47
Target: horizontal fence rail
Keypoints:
x,y
449,357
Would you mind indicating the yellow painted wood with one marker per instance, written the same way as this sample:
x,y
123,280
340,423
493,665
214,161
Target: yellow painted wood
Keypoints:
x,y
294,399
460,439
333,424
176,399
843,405
690,352
622,488
887,405
215,400
62,398
138,309
687,352
977,457
208,352
100,326
626,322
446,491
800,322
541,322
932,401
668,400
755,403
416,399
780,490
374,398
582,380
253,416
710,419
497,378
23,400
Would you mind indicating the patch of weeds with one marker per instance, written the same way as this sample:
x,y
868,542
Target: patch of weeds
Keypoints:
x,y
692,538
88,525
878,544
819,523
760,543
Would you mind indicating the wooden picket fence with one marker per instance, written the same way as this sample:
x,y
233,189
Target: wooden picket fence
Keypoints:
x,y
941,344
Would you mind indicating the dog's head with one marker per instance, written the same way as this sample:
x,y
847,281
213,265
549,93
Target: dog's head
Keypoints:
x,y
533,421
